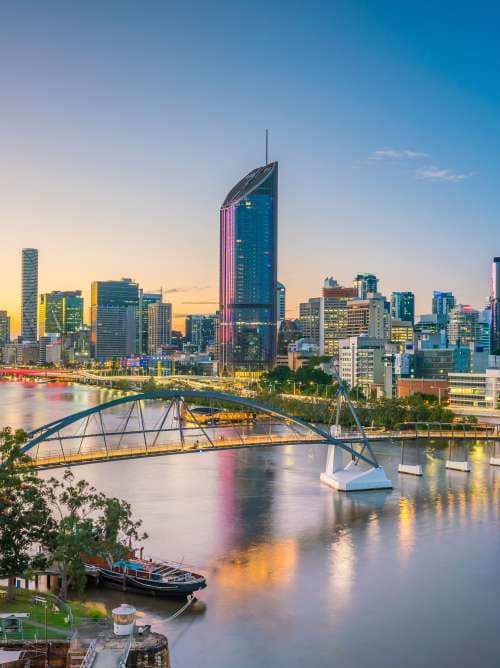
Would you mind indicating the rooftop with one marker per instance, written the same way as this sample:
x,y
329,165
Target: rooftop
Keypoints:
x,y
249,183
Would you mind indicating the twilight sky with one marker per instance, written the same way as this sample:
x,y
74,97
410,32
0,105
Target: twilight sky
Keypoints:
x,y
124,124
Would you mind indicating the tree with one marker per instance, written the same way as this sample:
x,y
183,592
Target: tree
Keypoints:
x,y
149,385
88,523
116,529
73,504
25,517
123,385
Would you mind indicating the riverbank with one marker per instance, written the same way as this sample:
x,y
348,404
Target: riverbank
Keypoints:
x,y
44,608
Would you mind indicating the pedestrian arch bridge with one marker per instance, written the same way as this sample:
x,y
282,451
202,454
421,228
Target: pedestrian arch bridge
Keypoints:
x,y
165,422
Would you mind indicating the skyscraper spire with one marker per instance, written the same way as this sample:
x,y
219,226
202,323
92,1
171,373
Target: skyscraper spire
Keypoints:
x,y
267,146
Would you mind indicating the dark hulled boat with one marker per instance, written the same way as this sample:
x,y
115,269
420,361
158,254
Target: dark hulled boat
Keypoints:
x,y
156,578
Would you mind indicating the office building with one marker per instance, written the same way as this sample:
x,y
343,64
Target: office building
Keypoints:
x,y
403,306
401,332
4,328
145,299
159,326
113,318
43,343
289,332
368,316
475,390
200,331
495,307
442,303
365,284
29,294
310,320
76,347
248,274
333,322
361,362
176,339
439,362
60,312
280,302
428,324
463,325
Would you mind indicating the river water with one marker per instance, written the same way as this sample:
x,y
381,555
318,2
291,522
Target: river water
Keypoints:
x,y
298,574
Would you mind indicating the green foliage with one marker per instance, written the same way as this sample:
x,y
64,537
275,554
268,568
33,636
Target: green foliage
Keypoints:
x,y
89,523
115,528
25,517
123,385
149,385
73,503
307,380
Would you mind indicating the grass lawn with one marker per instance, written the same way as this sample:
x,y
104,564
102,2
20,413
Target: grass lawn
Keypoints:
x,y
58,622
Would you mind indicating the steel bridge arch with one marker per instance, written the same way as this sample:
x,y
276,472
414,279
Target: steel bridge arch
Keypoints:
x,y
42,433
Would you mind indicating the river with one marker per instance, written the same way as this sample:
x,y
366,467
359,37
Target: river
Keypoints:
x,y
298,574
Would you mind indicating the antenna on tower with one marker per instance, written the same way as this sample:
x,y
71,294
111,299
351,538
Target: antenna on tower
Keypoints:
x,y
267,146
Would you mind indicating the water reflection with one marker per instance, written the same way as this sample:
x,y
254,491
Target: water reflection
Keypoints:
x,y
294,569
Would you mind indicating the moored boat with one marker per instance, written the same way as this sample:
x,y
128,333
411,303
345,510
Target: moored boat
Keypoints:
x,y
147,576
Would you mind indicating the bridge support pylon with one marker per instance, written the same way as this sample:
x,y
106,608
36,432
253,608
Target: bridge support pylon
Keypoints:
x,y
352,478
458,464
495,452
411,469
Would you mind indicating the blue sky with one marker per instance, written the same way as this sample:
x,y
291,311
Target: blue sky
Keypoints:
x,y
126,123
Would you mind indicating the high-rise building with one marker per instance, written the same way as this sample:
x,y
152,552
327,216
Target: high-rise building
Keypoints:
x,y
4,328
200,331
495,307
248,273
159,326
361,362
333,321
463,325
442,303
29,294
145,299
368,316
403,306
280,302
60,312
289,332
364,284
310,320
113,313
176,339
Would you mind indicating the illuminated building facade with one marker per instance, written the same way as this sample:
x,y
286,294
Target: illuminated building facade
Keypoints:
x,y
403,306
60,312
113,318
29,298
4,327
145,299
159,326
495,307
248,273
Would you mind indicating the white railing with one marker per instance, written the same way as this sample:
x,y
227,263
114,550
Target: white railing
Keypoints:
x,y
90,655
122,661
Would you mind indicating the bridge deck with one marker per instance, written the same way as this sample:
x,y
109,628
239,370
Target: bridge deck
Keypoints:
x,y
58,459
431,435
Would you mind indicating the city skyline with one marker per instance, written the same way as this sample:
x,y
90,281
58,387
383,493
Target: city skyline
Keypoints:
x,y
364,165
208,308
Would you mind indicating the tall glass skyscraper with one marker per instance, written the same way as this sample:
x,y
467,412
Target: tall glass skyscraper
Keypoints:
x,y
403,306
248,273
280,301
495,307
29,298
442,303
113,315
60,312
